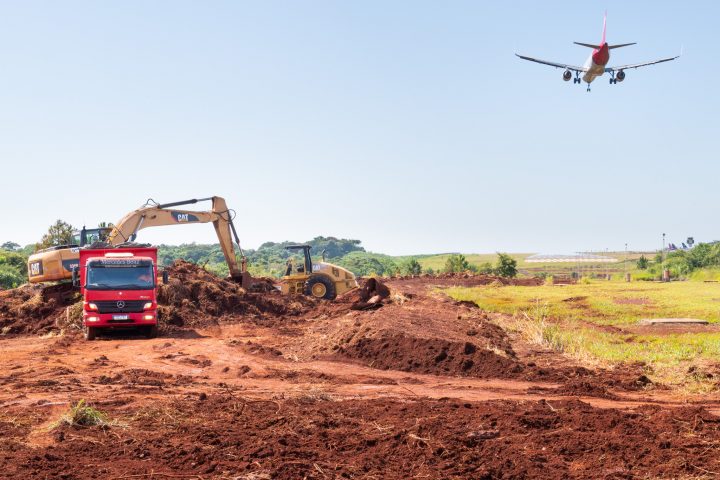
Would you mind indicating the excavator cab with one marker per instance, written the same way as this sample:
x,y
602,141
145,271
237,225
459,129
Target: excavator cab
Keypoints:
x,y
88,236
319,280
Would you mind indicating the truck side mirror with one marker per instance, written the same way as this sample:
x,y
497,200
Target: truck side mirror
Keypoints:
x,y
75,277
165,277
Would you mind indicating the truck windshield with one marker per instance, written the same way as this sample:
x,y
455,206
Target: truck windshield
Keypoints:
x,y
102,277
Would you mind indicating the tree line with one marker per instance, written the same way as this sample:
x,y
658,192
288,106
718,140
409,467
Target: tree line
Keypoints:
x,y
270,259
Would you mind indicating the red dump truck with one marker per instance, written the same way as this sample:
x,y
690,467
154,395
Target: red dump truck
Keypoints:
x,y
119,289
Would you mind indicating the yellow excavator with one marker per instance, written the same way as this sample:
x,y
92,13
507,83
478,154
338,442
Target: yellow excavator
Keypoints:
x,y
57,263
320,280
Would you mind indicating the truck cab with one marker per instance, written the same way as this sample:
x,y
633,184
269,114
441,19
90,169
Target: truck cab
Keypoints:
x,y
119,288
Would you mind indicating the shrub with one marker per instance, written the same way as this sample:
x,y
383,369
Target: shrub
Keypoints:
x,y
457,263
506,266
10,278
411,267
485,268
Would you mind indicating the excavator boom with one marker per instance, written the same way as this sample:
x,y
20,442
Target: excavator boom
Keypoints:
x,y
156,215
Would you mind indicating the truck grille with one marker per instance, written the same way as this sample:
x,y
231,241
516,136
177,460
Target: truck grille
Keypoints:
x,y
120,306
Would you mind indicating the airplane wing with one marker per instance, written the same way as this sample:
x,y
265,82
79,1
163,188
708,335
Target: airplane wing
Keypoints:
x,y
553,64
638,65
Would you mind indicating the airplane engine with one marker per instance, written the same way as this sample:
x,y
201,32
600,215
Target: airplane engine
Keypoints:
x,y
567,75
620,76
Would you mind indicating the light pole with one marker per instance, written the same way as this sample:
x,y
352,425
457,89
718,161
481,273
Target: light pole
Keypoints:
x,y
662,259
607,266
625,263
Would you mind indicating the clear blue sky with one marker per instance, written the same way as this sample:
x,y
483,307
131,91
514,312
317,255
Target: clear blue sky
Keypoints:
x,y
409,125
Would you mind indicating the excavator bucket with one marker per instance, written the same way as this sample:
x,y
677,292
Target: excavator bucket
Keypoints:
x,y
246,281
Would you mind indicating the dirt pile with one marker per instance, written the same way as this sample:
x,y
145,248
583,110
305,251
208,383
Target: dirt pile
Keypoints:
x,y
33,309
371,294
197,298
427,335
431,355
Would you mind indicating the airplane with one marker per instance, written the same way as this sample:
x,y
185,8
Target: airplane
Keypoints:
x,y
596,64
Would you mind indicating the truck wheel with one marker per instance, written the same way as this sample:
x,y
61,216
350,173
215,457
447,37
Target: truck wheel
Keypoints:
x,y
151,332
91,333
319,286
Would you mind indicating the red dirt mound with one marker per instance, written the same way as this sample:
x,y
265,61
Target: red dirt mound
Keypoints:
x,y
33,309
431,355
197,298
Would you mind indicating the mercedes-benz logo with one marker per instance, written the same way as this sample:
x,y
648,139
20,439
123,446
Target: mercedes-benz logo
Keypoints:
x,y
121,304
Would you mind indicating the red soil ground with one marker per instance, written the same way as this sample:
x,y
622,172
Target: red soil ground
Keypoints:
x,y
256,386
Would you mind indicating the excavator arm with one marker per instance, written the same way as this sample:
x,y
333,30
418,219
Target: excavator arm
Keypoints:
x,y
158,215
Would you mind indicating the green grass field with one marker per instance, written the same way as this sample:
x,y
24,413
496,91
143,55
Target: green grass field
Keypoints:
x,y
570,319
606,303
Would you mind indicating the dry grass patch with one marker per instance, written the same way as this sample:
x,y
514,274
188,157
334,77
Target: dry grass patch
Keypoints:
x,y
82,415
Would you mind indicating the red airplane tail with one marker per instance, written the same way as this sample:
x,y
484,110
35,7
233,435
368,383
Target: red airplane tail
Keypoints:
x,y
603,41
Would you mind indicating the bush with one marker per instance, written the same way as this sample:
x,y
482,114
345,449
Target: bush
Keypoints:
x,y
10,278
642,262
457,263
646,276
411,267
485,268
506,266
13,269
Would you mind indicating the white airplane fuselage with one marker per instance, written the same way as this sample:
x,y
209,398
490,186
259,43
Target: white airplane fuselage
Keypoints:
x,y
596,62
